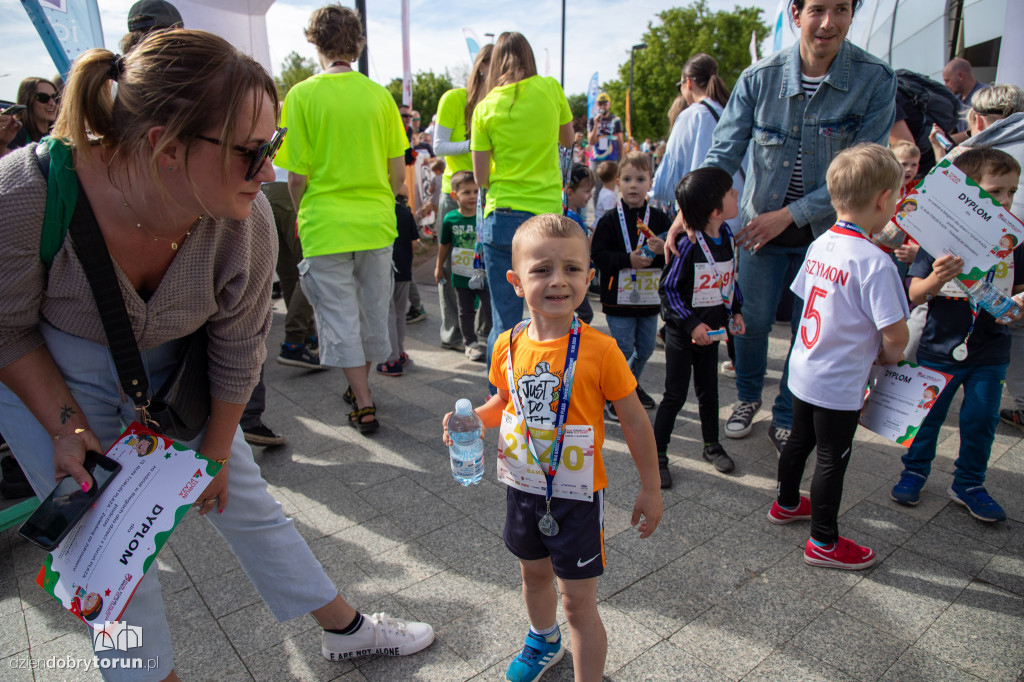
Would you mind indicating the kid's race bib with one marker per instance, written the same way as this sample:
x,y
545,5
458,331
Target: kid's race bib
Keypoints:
x,y
518,469
709,290
644,291
462,261
1003,281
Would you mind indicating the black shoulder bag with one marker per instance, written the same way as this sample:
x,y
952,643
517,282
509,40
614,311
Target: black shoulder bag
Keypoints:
x,y
181,408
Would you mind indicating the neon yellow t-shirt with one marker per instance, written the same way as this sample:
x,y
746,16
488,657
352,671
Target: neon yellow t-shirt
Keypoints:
x,y
518,123
451,113
342,129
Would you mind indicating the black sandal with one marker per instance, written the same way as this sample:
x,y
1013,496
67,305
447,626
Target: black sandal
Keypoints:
x,y
355,417
349,397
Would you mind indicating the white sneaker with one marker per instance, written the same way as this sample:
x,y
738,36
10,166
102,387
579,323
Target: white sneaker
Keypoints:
x,y
727,369
742,419
378,634
475,353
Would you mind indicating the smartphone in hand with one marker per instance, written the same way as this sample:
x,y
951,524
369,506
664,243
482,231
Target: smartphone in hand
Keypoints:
x,y
67,504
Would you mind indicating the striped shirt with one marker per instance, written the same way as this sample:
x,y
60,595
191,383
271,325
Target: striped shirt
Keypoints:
x,y
796,181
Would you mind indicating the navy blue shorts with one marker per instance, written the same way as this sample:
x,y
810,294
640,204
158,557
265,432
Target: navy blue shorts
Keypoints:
x,y
577,552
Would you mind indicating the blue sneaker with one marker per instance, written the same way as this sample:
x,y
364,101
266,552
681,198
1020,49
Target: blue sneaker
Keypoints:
x,y
536,657
908,491
978,502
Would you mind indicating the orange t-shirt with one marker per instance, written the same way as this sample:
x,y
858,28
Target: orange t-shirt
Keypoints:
x,y
601,374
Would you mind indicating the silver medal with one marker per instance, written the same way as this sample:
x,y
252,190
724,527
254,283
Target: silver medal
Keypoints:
x,y
960,352
547,525
734,326
634,296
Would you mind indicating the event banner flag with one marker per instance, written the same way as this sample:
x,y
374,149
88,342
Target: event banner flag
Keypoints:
x,y
68,28
472,42
406,58
94,571
592,92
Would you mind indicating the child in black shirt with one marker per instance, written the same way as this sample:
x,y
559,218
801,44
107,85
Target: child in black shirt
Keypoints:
x,y
699,294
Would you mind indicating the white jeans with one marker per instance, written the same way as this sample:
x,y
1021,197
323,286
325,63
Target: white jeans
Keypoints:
x,y
273,554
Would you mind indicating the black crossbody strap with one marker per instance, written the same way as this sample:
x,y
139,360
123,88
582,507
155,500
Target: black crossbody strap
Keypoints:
x,y
99,270
711,109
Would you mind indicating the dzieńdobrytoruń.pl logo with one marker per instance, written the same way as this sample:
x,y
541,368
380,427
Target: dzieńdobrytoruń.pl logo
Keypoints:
x,y
113,636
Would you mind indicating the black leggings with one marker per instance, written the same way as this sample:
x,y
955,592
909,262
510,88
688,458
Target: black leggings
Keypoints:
x,y
682,354
832,432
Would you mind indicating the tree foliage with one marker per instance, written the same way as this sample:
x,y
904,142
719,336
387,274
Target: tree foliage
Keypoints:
x,y
294,69
427,88
678,34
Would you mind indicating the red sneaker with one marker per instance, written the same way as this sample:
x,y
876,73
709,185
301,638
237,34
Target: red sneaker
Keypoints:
x,y
779,515
844,554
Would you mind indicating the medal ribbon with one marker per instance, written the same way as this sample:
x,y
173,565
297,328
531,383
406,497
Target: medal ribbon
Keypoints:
x,y
640,239
562,414
850,229
727,300
989,277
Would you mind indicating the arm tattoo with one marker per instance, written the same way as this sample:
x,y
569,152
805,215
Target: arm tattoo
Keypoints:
x,y
65,413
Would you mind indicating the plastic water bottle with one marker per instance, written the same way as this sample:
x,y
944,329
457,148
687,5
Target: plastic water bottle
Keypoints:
x,y
467,450
990,298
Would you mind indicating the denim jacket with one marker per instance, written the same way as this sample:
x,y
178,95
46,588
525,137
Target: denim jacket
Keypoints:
x,y
769,113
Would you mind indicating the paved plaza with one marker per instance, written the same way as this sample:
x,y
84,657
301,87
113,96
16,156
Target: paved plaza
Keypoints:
x,y
717,593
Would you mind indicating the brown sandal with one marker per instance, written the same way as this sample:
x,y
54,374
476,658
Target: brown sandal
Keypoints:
x,y
355,419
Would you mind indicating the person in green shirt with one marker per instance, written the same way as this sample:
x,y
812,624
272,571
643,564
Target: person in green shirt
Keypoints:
x,y
517,127
451,140
345,153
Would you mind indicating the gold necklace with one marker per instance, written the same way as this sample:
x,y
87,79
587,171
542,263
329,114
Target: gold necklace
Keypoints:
x,y
138,223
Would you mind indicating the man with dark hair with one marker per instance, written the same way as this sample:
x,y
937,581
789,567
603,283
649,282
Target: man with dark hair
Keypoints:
x,y
794,111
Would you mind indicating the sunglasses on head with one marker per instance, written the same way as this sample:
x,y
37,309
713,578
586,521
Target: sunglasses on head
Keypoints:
x,y
257,156
45,97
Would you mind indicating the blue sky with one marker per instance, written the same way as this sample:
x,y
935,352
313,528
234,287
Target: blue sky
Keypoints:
x,y
599,34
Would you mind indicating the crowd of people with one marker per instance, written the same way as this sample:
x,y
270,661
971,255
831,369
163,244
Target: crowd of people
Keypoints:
x,y
193,170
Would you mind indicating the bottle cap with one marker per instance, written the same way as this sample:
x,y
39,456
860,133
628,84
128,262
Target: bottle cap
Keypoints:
x,y
463,407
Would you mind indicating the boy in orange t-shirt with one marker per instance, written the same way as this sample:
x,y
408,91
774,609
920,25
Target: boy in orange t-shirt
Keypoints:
x,y
554,521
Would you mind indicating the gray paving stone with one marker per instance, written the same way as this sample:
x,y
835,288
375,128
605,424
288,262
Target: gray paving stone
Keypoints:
x,y
201,645
254,628
398,568
954,517
956,550
18,668
793,663
666,663
881,522
296,658
14,635
904,594
981,633
850,645
227,593
490,633
730,644
463,538
915,665
773,606
76,646
441,598
660,602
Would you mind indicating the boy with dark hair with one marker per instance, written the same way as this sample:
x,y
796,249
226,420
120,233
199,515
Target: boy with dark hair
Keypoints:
x,y
699,295
853,304
553,374
969,344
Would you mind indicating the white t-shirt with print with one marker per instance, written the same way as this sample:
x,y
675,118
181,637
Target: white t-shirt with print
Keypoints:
x,y
851,291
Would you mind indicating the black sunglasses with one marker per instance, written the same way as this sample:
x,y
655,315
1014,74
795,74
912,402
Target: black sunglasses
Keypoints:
x,y
45,97
257,156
